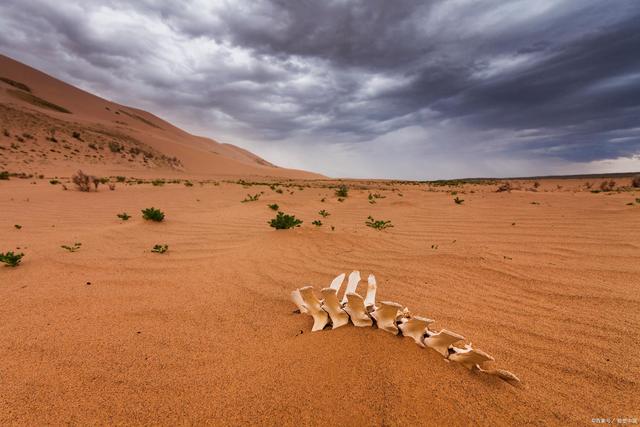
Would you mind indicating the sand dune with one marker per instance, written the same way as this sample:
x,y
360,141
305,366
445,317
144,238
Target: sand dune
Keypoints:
x,y
547,282
40,115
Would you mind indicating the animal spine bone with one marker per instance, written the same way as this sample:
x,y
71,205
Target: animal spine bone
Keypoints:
x,y
389,316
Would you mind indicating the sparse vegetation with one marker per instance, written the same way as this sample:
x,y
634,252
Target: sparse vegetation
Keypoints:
x,y
153,214
609,185
377,224
458,200
251,198
317,223
274,207
160,249
124,216
635,181
188,184
82,181
158,182
4,175
54,182
15,84
10,258
37,101
112,186
18,226
74,248
504,187
323,213
283,221
342,191
77,136
121,178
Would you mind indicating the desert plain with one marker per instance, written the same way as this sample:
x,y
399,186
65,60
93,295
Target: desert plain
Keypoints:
x,y
545,281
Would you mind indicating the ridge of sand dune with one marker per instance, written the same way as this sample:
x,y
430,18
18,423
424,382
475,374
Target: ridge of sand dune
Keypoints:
x,y
40,114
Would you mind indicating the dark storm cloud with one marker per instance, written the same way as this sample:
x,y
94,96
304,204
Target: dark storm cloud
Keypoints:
x,y
520,80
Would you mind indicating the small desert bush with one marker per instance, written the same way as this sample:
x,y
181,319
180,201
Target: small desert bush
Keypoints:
x,y
82,181
188,184
121,178
377,224
251,198
54,182
323,213
18,226
10,258
124,216
4,175
317,223
458,200
157,182
112,186
283,221
153,214
608,185
274,207
160,249
635,181
74,248
504,187
342,191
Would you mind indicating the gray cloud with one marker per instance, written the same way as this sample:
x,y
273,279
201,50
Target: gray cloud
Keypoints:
x,y
363,88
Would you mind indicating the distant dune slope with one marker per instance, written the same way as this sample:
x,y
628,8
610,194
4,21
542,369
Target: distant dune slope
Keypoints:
x,y
50,126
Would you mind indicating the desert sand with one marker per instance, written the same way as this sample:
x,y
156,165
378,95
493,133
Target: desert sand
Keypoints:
x,y
206,333
545,279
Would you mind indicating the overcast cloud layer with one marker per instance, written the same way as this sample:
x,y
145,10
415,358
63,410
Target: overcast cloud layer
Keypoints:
x,y
369,88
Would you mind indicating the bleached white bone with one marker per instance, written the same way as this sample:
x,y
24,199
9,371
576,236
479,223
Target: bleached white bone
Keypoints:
x,y
440,341
356,310
352,284
332,306
385,315
320,317
297,300
337,282
415,327
469,357
370,298
501,373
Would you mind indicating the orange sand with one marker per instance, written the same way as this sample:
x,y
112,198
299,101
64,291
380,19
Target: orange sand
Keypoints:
x,y
205,333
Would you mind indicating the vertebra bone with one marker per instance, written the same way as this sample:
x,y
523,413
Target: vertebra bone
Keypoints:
x,y
370,298
332,306
470,357
320,317
352,284
356,310
386,315
297,300
440,341
337,282
416,328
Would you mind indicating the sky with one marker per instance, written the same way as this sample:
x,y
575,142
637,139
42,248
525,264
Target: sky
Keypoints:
x,y
367,88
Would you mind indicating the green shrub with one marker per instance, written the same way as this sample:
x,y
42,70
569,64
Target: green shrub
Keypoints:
x,y
160,249
377,224
153,214
458,200
157,182
124,216
342,191
10,258
121,178
4,175
324,213
54,182
74,248
273,207
317,223
283,221
251,198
